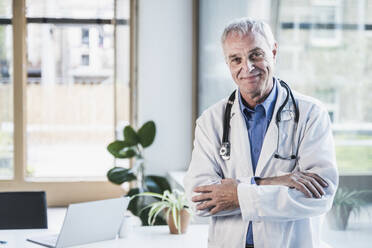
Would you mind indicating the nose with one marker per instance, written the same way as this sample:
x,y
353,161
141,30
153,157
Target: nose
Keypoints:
x,y
248,66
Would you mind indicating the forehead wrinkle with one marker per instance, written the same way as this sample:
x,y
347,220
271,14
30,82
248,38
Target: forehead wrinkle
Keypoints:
x,y
240,46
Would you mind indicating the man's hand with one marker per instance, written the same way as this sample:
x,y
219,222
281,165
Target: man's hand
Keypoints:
x,y
218,197
308,183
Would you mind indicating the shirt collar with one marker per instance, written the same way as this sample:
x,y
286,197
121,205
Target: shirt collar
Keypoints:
x,y
268,104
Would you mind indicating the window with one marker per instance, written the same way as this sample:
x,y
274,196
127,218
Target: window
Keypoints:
x,y
85,59
326,14
6,92
324,70
74,100
85,36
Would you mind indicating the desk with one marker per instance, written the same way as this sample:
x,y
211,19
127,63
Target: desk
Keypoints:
x,y
149,236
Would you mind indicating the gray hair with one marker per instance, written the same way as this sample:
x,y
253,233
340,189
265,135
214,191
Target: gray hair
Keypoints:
x,y
245,26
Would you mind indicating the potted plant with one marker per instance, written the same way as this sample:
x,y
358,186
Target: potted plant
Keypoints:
x,y
177,212
133,146
345,202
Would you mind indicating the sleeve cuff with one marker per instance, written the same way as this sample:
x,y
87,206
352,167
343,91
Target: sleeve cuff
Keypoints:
x,y
248,201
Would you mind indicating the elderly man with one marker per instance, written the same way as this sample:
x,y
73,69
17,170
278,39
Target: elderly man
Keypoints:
x,y
263,165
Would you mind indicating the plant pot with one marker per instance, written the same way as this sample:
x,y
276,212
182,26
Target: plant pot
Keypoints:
x,y
338,217
185,219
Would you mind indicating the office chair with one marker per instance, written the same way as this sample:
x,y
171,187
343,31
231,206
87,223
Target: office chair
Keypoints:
x,y
23,210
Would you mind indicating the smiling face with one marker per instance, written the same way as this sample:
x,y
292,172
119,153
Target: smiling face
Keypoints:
x,y
251,63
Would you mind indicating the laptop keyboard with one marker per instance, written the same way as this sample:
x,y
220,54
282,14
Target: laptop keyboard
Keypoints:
x,y
48,241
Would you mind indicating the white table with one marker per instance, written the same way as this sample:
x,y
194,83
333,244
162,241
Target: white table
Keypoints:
x,y
149,236
358,235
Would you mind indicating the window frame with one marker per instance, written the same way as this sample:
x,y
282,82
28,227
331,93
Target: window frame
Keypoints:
x,y
65,190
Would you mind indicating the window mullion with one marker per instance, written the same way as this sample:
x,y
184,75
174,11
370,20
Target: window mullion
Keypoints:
x,y
115,80
133,103
19,77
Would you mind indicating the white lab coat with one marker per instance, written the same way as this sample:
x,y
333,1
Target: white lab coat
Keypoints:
x,y
281,217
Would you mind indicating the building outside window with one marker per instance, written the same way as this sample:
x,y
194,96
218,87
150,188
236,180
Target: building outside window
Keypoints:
x,y
6,92
71,107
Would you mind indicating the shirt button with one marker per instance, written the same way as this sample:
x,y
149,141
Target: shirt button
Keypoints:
x,y
255,150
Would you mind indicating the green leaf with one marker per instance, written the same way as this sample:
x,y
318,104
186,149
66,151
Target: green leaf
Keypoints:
x,y
127,152
174,215
134,201
119,175
115,147
131,136
156,195
133,191
159,209
146,134
122,149
157,184
137,204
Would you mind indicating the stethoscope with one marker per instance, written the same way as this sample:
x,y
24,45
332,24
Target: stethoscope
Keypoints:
x,y
226,146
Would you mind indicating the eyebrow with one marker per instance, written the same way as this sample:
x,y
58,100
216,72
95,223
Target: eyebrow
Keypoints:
x,y
250,51
233,56
255,50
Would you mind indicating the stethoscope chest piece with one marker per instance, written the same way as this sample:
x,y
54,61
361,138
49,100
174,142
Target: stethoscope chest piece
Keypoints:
x,y
225,150
226,146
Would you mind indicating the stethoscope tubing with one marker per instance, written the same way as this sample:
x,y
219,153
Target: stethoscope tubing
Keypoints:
x,y
225,148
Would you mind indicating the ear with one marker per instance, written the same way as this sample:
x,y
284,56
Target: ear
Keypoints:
x,y
225,55
274,51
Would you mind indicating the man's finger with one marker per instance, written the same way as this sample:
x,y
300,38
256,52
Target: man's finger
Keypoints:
x,y
204,189
300,187
214,210
310,187
315,183
201,197
205,205
320,180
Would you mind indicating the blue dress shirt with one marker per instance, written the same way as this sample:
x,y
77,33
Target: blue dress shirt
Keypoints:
x,y
257,121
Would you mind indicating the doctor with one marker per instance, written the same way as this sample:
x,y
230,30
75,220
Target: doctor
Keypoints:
x,y
268,181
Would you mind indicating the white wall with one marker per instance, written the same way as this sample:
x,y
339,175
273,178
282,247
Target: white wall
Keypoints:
x,y
165,81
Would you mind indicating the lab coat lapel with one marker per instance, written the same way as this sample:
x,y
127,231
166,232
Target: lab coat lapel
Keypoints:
x,y
240,146
270,140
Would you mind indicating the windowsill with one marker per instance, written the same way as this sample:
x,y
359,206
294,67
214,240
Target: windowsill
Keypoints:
x,y
66,179
368,173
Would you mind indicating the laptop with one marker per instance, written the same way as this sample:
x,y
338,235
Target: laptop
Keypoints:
x,y
87,222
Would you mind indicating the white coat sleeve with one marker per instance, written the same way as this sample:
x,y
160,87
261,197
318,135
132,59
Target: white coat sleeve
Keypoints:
x,y
203,170
280,203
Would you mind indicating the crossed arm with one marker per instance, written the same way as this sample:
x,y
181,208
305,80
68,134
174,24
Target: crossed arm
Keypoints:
x,y
224,196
